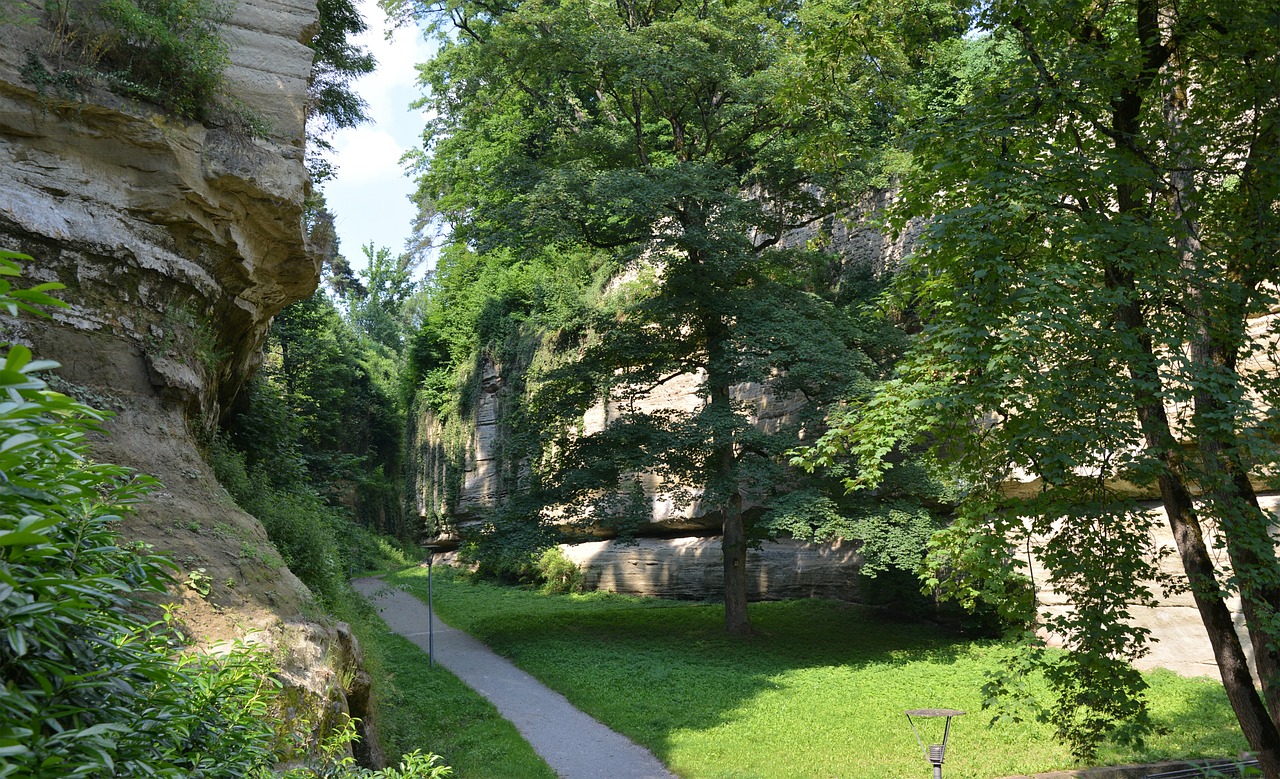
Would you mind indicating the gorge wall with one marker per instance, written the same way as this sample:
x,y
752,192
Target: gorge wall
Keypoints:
x,y
466,471
177,243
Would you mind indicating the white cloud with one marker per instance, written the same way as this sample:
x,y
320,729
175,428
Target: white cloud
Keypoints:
x,y
369,195
366,153
393,85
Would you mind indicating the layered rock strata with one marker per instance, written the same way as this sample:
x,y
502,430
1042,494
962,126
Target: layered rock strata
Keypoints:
x,y
692,568
177,243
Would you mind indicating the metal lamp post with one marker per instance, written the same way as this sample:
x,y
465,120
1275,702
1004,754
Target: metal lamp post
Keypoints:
x,y
431,608
934,753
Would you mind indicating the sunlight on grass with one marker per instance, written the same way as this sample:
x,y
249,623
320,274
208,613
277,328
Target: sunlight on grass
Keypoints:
x,y
820,692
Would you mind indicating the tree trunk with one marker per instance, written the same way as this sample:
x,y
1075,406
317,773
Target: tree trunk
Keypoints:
x,y
1257,726
734,541
736,620
1255,722
1221,331
1134,199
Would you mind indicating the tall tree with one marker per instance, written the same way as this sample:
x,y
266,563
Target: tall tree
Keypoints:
x,y
377,306
323,409
673,135
1106,218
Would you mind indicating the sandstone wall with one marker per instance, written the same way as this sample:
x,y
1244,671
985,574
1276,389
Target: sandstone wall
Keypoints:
x,y
177,243
1180,642
692,568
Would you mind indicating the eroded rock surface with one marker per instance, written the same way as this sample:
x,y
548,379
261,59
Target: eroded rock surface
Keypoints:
x,y
177,243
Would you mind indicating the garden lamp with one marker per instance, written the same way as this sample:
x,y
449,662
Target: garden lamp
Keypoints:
x,y
934,753
431,609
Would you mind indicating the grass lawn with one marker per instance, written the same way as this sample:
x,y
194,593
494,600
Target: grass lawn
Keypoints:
x,y
431,710
819,693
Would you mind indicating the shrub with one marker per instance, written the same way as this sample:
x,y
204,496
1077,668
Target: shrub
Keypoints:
x,y
558,573
303,529
169,52
92,688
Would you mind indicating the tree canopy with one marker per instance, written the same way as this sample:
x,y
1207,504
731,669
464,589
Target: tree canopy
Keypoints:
x,y
1102,242
1099,183
679,142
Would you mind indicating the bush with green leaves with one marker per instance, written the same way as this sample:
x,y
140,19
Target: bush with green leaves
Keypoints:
x,y
92,687
318,541
559,574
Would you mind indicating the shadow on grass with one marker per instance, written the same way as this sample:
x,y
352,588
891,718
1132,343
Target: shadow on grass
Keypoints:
x,y
819,690
1193,717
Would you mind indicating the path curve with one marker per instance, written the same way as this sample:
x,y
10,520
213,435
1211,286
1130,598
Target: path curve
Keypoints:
x,y
573,744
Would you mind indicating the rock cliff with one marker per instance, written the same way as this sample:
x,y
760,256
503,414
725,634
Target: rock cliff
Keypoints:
x,y
463,470
461,473
177,243
464,475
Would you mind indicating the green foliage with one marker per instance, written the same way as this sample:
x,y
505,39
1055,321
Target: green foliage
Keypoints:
x,y
184,332
199,581
77,663
314,450
667,140
169,52
378,305
508,549
1086,286
893,534
92,687
482,303
311,536
818,692
559,574
331,103
337,62
321,417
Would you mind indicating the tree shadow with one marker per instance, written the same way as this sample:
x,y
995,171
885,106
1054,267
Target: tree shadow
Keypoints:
x,y
818,691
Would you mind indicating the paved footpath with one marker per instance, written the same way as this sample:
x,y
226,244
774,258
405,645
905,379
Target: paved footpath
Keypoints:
x,y
573,744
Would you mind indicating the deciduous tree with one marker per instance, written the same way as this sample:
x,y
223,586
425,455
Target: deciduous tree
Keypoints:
x,y
1105,229
681,138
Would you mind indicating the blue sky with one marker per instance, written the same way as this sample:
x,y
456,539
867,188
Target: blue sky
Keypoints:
x,y
369,195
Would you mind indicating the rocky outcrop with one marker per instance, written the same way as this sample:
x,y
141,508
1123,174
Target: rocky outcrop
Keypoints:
x,y
693,568
177,243
181,239
462,470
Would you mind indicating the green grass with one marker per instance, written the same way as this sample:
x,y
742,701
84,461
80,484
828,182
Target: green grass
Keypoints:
x,y
417,707
819,693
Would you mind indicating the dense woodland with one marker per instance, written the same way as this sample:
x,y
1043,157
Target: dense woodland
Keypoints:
x,y
631,192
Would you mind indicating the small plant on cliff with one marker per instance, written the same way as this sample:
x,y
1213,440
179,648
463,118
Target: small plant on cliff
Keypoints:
x,y
168,52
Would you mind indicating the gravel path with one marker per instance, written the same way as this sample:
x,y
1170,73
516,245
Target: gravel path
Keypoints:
x,y
573,744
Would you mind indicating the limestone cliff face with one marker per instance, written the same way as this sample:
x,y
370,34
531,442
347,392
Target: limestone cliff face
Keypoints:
x,y
463,470
177,243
